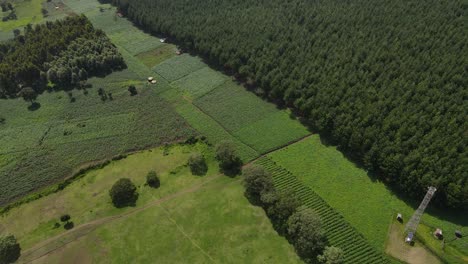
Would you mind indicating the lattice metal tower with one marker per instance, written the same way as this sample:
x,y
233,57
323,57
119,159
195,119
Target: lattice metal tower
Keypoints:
x,y
414,221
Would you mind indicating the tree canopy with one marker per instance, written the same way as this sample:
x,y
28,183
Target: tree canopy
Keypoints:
x,y
63,52
9,249
385,80
123,193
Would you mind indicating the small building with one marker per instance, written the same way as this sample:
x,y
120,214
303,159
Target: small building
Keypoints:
x,y
438,233
178,52
162,40
399,217
150,79
119,14
153,82
409,238
458,234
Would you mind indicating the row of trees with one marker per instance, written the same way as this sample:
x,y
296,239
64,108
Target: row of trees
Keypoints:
x,y
64,52
300,225
385,80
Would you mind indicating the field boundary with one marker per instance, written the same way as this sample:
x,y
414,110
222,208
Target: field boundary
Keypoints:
x,y
338,231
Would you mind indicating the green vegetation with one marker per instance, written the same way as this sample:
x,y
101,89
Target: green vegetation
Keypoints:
x,y
9,249
229,161
344,186
200,82
385,80
64,53
339,232
152,179
332,255
27,11
178,67
172,216
197,164
123,193
156,56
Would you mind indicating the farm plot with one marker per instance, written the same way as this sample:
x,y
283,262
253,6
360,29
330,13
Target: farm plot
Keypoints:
x,y
200,82
277,129
178,67
366,204
339,232
233,107
155,56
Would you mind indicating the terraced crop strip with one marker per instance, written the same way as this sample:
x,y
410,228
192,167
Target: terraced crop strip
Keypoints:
x,y
339,232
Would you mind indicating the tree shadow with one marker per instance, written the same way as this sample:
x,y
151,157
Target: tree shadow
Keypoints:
x,y
34,106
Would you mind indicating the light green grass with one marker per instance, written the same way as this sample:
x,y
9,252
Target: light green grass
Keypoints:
x,y
368,205
178,67
234,107
200,82
27,11
215,222
154,57
275,130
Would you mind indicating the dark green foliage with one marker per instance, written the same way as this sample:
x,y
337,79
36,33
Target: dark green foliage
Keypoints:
x,y
132,89
153,180
306,233
281,205
68,225
63,52
331,255
385,80
229,161
258,183
197,164
65,218
123,193
9,249
28,94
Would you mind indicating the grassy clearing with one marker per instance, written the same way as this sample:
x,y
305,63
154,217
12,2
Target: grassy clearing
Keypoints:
x,y
154,57
200,82
178,67
368,205
27,11
275,130
234,107
182,223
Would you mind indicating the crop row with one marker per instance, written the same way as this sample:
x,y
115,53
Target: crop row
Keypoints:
x,y
339,232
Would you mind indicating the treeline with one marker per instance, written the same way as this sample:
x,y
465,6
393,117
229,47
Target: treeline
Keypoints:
x,y
61,53
385,80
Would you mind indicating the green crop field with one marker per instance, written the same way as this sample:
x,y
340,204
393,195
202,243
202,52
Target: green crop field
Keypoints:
x,y
367,205
178,67
154,57
200,82
184,227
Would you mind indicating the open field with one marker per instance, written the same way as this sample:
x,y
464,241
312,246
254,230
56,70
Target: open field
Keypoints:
x,y
27,11
366,204
182,221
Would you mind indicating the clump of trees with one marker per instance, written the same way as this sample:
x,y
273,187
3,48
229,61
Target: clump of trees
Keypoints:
x,y
332,255
300,225
229,161
387,87
152,179
197,164
10,249
132,89
64,52
123,193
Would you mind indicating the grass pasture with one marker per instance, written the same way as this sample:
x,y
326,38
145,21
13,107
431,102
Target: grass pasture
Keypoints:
x,y
368,205
27,11
176,230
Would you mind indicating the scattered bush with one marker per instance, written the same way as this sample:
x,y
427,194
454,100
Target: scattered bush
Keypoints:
x,y
306,234
123,193
65,218
132,89
10,249
68,225
257,181
229,161
153,180
331,255
197,164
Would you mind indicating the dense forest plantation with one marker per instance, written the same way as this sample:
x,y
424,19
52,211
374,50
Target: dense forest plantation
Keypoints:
x,y
386,80
62,53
